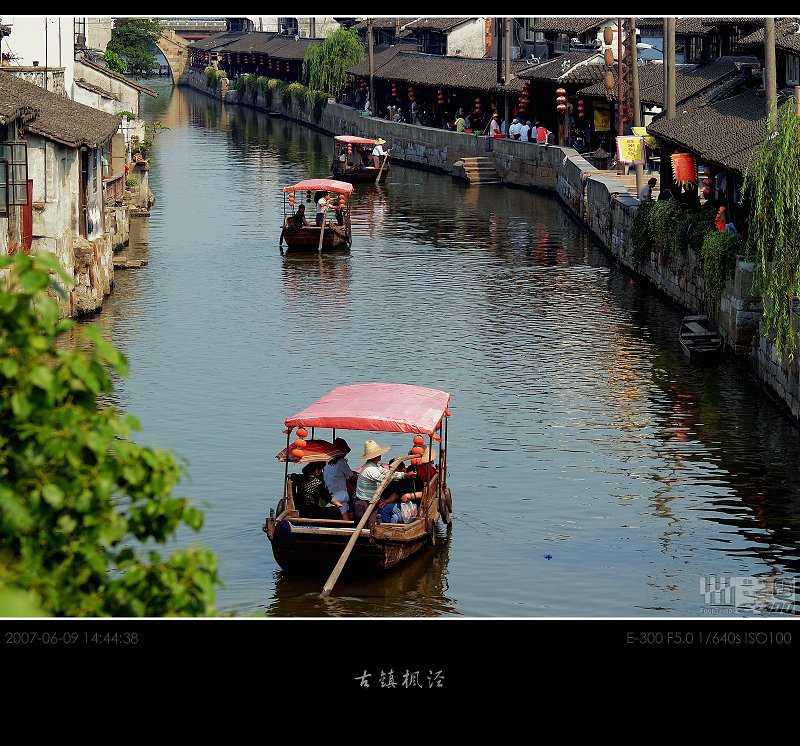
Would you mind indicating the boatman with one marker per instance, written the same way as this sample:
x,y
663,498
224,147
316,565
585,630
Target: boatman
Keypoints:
x,y
322,206
378,152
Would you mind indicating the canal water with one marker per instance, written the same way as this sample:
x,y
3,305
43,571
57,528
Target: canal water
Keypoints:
x,y
594,472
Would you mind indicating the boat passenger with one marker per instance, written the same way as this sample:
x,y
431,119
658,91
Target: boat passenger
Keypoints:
x,y
410,488
314,500
299,219
370,478
322,206
340,479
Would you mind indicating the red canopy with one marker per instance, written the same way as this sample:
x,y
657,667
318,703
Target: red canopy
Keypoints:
x,y
387,407
355,140
322,185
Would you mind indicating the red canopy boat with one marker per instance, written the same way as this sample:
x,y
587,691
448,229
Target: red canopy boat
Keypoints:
x,y
352,160
316,544
335,233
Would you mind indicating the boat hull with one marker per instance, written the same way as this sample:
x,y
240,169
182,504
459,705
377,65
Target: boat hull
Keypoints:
x,y
366,175
701,341
336,238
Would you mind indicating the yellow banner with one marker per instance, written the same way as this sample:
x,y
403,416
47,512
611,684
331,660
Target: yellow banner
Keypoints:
x,y
630,149
602,120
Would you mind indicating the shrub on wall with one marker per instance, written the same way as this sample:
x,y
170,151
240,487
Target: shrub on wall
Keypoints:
x,y
213,76
300,95
241,85
718,255
251,86
319,101
641,237
285,94
266,92
663,222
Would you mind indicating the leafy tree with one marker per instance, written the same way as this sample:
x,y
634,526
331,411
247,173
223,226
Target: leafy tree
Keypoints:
x,y
773,236
132,41
114,62
325,64
81,504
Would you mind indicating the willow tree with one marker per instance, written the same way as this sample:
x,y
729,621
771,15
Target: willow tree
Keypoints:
x,y
770,187
325,65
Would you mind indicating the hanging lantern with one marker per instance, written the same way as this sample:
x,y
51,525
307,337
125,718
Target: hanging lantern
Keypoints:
x,y
561,108
308,196
302,432
418,450
580,103
298,453
561,92
608,56
608,35
608,80
342,201
418,440
477,102
561,100
350,149
581,114
291,199
708,181
299,443
440,98
707,192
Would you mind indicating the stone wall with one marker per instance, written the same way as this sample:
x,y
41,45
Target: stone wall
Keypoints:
x,y
596,199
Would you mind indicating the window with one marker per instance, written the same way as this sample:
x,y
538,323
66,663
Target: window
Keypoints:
x,y
15,180
3,187
792,69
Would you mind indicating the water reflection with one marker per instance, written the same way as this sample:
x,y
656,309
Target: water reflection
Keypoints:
x,y
579,431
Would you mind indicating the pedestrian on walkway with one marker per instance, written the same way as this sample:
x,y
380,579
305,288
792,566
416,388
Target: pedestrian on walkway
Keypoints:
x,y
646,192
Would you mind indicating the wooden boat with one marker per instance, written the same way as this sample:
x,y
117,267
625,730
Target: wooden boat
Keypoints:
x,y
317,545
347,162
700,340
336,236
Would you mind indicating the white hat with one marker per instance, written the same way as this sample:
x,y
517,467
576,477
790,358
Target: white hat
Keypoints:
x,y
372,449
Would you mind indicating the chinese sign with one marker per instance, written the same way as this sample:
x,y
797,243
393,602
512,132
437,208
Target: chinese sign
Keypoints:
x,y
602,120
630,149
409,679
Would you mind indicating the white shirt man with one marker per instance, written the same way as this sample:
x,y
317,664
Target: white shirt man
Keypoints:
x,y
515,129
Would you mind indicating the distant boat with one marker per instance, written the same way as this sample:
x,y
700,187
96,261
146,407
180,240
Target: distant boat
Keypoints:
x,y
700,340
334,235
347,162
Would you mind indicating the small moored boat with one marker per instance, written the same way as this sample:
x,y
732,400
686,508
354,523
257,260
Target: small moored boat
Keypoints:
x,y
335,234
700,340
352,160
324,545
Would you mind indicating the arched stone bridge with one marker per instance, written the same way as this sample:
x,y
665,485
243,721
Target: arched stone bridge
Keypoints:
x,y
176,51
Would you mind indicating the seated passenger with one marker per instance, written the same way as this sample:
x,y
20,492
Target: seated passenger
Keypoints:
x,y
340,478
314,500
298,220
370,478
411,487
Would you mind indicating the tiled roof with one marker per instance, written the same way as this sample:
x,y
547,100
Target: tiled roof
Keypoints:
x,y
296,50
383,23
722,132
568,25
436,24
559,67
215,41
81,83
117,76
436,70
381,55
255,41
689,80
57,118
787,35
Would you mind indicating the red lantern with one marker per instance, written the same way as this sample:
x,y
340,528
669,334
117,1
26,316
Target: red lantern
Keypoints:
x,y
560,92
561,100
581,115
291,199
349,150
418,450
298,452
708,181
561,108
707,192
342,200
416,461
301,431
580,103
477,102
418,440
300,443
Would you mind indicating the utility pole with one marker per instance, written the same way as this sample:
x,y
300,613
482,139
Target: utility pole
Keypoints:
x,y
637,106
507,73
620,123
669,66
770,85
371,66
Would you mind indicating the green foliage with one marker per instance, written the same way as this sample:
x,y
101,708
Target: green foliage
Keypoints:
x,y
319,101
129,115
251,85
663,219
773,241
265,90
641,236
718,255
131,182
285,93
78,497
702,224
114,63
325,65
299,94
241,84
132,42
213,76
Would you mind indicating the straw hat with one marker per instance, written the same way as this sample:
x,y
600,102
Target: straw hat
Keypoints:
x,y
372,449
380,141
426,456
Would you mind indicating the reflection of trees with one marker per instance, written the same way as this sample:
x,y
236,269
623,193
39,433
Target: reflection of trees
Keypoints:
x,y
713,419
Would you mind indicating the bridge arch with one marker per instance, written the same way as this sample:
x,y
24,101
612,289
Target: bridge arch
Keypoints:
x,y
176,52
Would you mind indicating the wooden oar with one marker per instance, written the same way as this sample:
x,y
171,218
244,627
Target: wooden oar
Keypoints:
x,y
385,156
334,576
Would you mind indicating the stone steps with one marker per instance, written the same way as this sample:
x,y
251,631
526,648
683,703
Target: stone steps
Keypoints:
x,y
479,170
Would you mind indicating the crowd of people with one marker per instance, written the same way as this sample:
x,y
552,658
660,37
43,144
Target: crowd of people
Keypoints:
x,y
334,490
